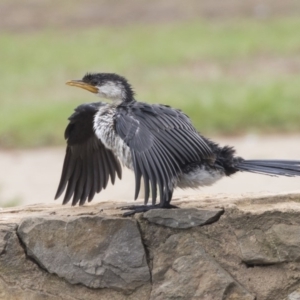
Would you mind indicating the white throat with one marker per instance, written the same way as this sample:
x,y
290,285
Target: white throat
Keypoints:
x,y
113,91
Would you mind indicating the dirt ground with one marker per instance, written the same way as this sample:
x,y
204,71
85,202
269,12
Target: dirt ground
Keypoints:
x,y
21,16
31,176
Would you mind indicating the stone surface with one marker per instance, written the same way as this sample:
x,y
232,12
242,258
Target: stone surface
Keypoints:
x,y
21,278
183,218
98,252
294,295
183,270
281,243
91,252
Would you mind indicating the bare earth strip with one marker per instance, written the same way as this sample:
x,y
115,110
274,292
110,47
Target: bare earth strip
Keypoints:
x,y
31,176
21,16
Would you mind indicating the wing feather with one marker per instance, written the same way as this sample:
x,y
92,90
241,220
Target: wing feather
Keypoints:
x,y
72,183
150,168
89,170
104,166
138,176
66,173
161,140
88,164
141,161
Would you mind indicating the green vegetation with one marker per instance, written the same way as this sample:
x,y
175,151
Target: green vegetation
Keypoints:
x,y
221,74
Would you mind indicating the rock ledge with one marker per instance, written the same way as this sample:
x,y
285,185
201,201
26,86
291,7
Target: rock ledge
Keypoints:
x,y
214,248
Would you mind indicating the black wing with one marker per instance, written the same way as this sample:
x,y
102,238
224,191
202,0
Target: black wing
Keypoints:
x,y
161,140
88,164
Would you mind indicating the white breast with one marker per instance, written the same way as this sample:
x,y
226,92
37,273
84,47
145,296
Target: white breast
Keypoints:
x,y
105,131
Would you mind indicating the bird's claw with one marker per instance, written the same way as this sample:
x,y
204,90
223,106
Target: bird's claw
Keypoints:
x,y
133,209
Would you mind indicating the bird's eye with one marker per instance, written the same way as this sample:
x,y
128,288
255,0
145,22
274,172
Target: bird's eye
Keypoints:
x,y
93,82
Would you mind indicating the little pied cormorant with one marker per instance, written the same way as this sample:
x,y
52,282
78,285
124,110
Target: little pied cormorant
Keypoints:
x,y
157,142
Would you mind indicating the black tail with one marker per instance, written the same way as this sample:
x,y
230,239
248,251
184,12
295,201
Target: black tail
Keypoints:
x,y
274,167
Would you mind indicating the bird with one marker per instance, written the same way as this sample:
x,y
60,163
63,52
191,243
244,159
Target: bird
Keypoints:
x,y
157,142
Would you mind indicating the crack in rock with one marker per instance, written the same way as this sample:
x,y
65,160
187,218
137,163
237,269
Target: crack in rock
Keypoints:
x,y
72,251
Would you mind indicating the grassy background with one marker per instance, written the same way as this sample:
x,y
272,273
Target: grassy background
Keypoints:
x,y
229,77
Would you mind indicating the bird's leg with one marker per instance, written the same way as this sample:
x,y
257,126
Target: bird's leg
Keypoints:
x,y
133,209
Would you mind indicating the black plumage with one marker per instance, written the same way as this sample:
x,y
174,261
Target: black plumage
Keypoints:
x,y
154,134
88,165
157,142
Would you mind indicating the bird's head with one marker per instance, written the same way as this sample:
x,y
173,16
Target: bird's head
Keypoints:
x,y
106,85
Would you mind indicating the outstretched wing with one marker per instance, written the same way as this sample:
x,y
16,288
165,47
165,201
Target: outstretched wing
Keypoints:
x,y
88,165
161,140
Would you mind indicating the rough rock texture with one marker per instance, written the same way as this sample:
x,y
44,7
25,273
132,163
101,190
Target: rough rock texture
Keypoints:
x,y
96,251
294,295
280,243
183,270
183,218
251,251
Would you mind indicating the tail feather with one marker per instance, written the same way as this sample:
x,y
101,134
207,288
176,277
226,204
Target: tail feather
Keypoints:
x,y
288,168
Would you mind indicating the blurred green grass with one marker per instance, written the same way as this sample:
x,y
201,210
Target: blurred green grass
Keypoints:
x,y
164,64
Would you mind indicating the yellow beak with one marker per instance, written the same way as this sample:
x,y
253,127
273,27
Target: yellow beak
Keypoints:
x,y
83,85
